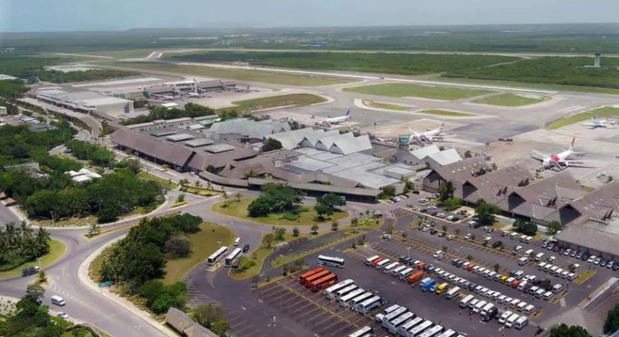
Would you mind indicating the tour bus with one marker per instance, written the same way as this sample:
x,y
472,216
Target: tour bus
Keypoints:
x,y
406,273
396,323
521,322
366,331
370,260
397,270
409,325
369,304
433,331
383,263
391,309
57,300
303,277
453,292
323,282
376,261
393,315
352,304
237,242
232,256
316,276
465,301
390,267
343,301
330,292
449,333
216,256
337,262
416,331
342,292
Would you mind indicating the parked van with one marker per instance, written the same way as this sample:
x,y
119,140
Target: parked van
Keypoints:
x,y
548,295
382,263
58,300
479,306
453,292
529,309
369,261
521,306
503,318
523,260
557,288
511,321
528,252
522,285
521,322
441,288
237,242
539,256
541,265
514,303
465,301
473,303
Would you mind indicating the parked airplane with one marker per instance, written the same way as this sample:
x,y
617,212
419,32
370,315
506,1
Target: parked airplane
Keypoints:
x,y
429,135
600,123
339,119
560,160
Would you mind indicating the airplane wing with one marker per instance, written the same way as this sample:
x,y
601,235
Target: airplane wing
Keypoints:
x,y
538,155
413,132
577,163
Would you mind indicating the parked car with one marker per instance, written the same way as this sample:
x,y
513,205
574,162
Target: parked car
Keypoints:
x,y
245,248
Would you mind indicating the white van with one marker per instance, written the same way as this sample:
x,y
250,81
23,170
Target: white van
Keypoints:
x,y
479,306
521,285
528,252
514,303
237,242
453,292
539,256
529,309
511,320
503,318
58,300
465,301
523,260
473,303
521,306
521,322
382,263
541,265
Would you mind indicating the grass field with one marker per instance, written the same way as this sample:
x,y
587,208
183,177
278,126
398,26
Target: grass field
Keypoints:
x,y
149,176
237,74
239,210
597,113
203,244
56,251
444,113
413,90
508,99
387,106
250,105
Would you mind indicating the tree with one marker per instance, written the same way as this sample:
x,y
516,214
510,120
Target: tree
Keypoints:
x,y
314,229
469,257
178,246
271,144
34,292
445,190
612,320
496,267
259,207
42,277
563,330
387,192
211,317
526,228
554,227
451,204
295,232
279,234
267,240
334,225
468,154
485,212
181,198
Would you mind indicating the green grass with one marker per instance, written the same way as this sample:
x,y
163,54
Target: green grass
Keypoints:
x,y
445,113
163,182
239,210
250,105
203,244
199,191
414,90
583,116
56,250
238,74
260,255
508,99
387,106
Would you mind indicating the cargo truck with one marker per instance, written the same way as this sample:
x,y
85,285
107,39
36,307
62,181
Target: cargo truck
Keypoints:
x,y
415,277
427,284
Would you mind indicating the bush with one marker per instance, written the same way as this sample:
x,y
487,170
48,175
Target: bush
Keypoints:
x,y
178,246
525,228
159,297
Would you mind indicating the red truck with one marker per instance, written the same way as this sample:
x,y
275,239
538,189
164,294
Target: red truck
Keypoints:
x,y
307,274
415,277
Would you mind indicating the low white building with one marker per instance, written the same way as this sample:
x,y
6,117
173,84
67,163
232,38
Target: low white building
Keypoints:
x,y
83,175
86,101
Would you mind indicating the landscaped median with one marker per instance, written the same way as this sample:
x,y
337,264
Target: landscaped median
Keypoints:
x,y
414,90
514,100
57,249
583,116
302,216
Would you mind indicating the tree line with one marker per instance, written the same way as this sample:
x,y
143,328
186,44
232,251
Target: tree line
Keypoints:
x,y
20,244
138,260
158,112
275,198
95,154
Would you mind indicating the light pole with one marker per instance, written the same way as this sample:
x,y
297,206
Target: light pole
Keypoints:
x,y
408,249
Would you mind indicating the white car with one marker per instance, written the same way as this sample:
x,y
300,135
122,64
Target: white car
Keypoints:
x,y
63,315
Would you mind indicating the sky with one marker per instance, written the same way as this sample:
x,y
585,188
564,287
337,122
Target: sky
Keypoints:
x,y
92,15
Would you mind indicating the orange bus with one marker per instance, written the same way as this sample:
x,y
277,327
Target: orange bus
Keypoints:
x,y
307,274
415,277
323,282
316,276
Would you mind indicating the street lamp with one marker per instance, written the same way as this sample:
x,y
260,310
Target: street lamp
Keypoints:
x,y
408,249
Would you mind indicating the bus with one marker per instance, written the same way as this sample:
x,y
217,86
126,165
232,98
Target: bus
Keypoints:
x,y
232,256
416,331
342,292
409,325
218,254
448,333
435,330
366,331
316,276
390,267
453,292
397,270
369,304
393,315
307,274
330,292
382,263
323,282
396,323
370,260
344,299
337,262
352,304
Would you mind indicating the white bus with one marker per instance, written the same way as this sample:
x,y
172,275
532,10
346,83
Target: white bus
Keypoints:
x,y
393,315
382,263
453,292
397,270
217,255
344,299
433,331
396,323
359,299
366,331
465,301
232,256
57,300
409,325
344,291
370,260
390,267
330,292
369,304
448,333
324,260
416,331
406,273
